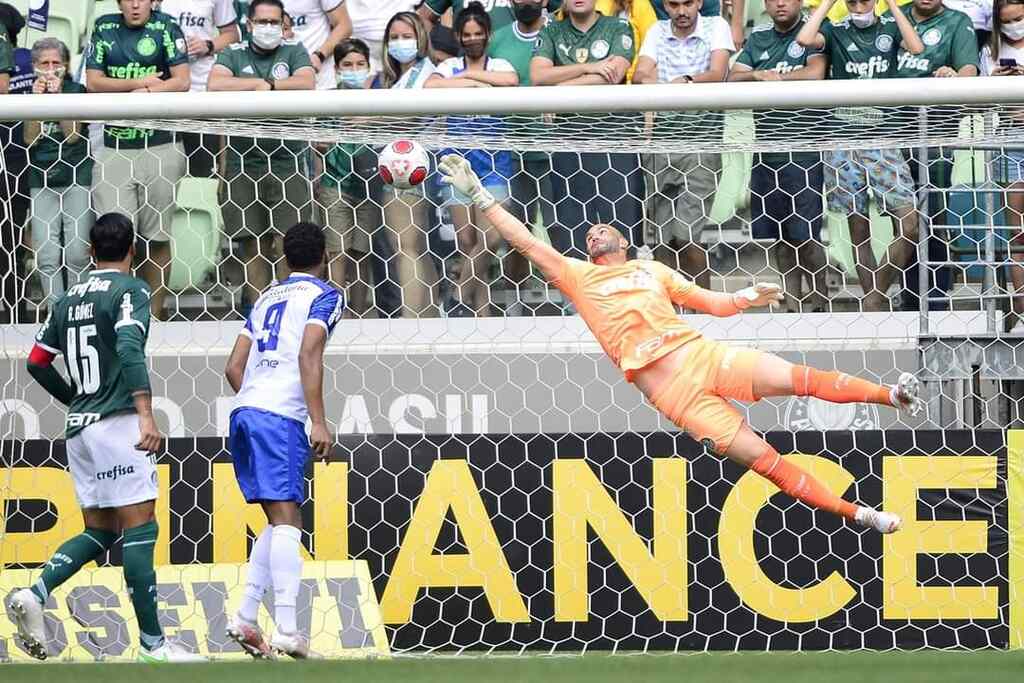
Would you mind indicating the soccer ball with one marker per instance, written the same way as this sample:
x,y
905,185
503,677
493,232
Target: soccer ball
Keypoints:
x,y
403,164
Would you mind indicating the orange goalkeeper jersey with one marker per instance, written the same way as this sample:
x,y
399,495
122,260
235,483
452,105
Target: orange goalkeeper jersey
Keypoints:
x,y
629,308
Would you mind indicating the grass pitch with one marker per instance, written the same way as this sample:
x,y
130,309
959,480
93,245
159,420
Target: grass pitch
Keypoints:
x,y
820,667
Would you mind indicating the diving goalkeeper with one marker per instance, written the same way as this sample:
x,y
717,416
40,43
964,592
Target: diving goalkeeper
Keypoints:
x,y
628,305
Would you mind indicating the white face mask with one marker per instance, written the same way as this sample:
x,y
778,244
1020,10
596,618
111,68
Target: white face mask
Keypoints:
x,y
862,19
1014,31
267,37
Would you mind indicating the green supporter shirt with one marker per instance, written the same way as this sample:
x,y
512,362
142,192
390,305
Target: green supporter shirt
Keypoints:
x,y
767,49
500,10
6,55
340,169
516,47
242,13
949,40
861,53
564,44
100,326
55,163
128,53
244,62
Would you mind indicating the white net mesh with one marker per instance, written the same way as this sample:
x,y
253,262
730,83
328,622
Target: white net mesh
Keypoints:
x,y
505,487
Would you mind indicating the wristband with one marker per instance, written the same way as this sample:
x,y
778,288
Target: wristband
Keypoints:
x,y
273,86
209,47
321,55
483,199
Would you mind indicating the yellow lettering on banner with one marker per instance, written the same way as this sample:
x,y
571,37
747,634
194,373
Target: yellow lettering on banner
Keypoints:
x,y
330,511
346,622
233,517
902,597
162,549
581,501
40,483
450,486
739,561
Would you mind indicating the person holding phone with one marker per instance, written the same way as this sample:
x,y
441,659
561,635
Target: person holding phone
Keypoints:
x,y
1004,56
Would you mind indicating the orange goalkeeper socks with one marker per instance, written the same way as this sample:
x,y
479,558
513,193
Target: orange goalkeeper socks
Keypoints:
x,y
799,484
837,387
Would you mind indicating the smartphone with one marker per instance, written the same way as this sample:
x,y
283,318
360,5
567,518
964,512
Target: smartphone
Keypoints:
x,y
1007,63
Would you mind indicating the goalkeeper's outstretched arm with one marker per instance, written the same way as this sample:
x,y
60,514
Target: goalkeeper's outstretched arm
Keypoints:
x,y
457,172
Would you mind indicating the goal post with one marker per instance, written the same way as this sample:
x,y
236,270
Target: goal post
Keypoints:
x,y
497,486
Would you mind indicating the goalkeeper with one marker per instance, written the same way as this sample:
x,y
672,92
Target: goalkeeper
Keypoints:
x,y
628,305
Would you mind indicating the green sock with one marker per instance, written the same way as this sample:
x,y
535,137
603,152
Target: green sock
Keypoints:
x,y
141,581
74,554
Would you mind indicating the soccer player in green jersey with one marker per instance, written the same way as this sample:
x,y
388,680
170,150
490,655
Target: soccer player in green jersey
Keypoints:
x,y
100,326
786,204
865,46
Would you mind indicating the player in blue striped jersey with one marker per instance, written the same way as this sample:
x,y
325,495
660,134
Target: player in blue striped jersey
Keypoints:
x,y
276,368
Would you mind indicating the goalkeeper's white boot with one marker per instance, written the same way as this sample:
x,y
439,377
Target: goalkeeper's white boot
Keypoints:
x,y
292,644
169,652
905,394
882,522
250,637
28,617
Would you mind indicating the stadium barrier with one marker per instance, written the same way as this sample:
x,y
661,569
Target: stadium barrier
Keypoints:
x,y
568,542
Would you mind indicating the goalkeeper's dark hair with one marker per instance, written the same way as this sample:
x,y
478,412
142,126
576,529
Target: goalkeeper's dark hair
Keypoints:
x,y
304,246
474,11
273,3
111,237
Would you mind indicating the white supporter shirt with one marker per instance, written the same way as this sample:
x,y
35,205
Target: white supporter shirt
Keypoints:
x,y
312,27
200,19
454,66
988,65
980,11
687,56
276,325
370,17
417,76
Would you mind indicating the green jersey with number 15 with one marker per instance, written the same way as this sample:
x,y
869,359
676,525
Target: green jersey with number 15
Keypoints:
x,y
107,309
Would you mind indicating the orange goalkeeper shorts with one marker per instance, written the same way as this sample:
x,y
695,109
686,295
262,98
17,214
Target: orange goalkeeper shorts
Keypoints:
x,y
696,399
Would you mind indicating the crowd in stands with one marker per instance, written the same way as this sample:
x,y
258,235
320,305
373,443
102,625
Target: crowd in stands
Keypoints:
x,y
427,252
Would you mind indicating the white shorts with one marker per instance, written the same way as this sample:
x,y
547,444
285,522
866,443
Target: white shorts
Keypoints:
x,y
107,470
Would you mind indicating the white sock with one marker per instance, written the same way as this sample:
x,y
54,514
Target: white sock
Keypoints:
x,y
286,570
257,578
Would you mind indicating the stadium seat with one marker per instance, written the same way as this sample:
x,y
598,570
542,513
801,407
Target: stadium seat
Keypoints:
x,y
734,186
840,248
196,233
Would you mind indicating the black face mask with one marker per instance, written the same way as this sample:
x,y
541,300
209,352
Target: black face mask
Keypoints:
x,y
475,50
527,13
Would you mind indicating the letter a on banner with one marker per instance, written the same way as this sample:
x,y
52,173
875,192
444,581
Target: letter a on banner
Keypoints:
x,y
38,14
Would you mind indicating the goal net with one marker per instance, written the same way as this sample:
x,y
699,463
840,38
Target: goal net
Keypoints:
x,y
497,485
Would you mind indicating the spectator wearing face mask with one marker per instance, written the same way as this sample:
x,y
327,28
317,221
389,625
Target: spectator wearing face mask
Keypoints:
x,y
350,217
60,175
1004,56
401,254
266,188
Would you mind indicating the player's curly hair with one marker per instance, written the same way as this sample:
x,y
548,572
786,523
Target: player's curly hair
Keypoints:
x,y
111,236
304,246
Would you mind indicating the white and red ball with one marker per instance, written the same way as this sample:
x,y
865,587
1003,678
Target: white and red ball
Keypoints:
x,y
403,164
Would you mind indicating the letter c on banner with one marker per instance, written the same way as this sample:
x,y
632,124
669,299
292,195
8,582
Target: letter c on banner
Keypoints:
x,y
739,561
